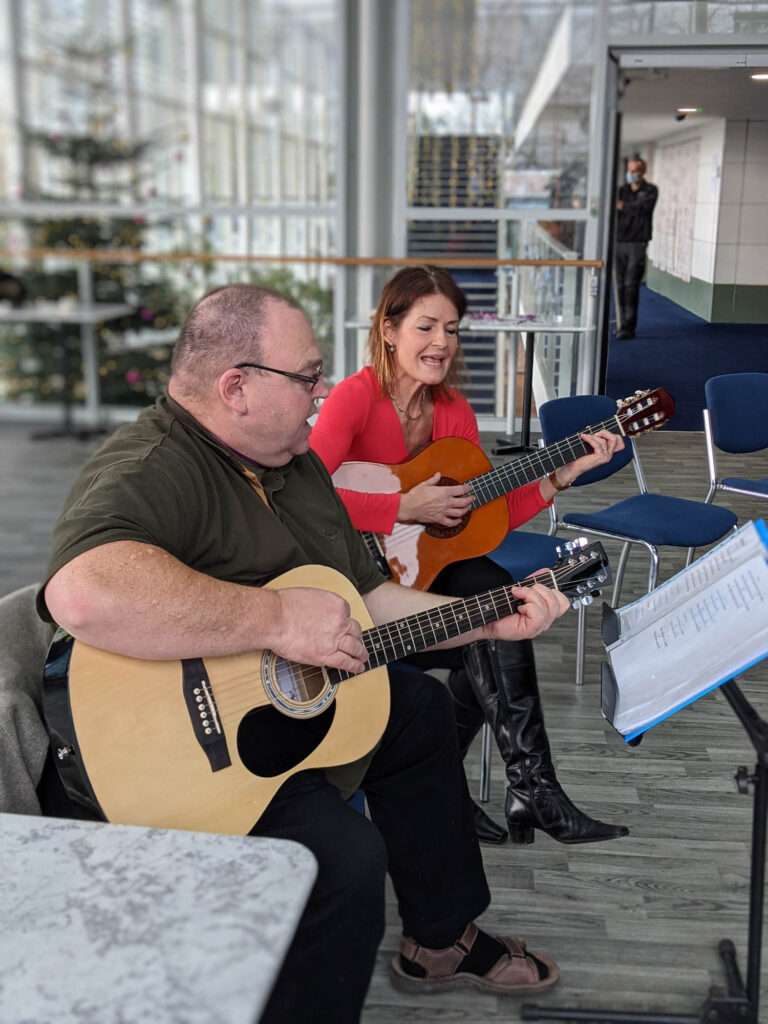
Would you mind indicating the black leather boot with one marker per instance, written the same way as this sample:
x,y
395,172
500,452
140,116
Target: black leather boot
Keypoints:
x,y
469,718
503,677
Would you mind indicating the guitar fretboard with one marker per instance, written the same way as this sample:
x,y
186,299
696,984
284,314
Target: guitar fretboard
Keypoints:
x,y
407,636
497,482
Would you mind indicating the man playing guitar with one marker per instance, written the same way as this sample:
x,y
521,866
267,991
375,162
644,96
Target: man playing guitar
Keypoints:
x,y
168,540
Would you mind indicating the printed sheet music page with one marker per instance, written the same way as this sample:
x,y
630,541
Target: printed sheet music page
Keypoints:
x,y
702,627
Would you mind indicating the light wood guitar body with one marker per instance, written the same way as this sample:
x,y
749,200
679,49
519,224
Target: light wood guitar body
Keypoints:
x,y
133,729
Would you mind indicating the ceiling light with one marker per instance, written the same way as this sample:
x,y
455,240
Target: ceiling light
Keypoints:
x,y
689,110
761,76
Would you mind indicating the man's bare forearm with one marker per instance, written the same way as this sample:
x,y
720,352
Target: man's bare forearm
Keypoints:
x,y
137,599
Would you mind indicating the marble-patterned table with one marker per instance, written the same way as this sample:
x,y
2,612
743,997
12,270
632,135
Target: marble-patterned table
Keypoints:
x,y
101,924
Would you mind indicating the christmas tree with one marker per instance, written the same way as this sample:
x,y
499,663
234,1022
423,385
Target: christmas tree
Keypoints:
x,y
97,166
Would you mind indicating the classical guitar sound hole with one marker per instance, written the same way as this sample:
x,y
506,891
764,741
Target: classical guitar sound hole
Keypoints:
x,y
443,532
270,743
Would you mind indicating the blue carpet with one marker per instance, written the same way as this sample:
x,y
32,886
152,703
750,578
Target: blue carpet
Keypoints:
x,y
679,351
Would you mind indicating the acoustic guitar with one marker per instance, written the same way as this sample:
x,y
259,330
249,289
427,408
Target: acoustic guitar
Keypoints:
x,y
204,744
414,553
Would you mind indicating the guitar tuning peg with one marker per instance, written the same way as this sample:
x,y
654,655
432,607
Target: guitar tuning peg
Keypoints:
x,y
570,547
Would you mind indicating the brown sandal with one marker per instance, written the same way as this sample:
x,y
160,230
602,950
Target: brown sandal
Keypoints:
x,y
516,971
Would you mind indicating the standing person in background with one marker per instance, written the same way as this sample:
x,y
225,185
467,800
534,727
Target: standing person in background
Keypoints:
x,y
634,223
387,413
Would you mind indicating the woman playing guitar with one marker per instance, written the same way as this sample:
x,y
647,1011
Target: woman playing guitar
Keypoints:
x,y
405,399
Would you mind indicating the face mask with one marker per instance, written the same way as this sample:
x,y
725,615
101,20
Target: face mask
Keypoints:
x,y
632,178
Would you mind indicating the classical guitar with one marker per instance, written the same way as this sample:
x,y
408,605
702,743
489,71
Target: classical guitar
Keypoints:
x,y
414,553
206,743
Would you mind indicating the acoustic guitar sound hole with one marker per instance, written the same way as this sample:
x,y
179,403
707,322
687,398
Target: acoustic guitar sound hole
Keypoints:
x,y
443,532
301,683
270,743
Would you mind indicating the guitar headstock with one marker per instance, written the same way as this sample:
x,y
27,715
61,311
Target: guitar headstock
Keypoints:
x,y
645,410
581,571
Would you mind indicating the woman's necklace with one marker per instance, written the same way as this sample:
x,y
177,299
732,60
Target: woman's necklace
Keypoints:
x,y
407,414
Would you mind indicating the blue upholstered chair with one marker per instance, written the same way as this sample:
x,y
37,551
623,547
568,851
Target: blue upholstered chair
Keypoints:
x,y
651,520
523,552
735,421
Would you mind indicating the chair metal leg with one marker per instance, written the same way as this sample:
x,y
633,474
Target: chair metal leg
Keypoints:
x,y
653,569
581,644
618,579
485,763
689,556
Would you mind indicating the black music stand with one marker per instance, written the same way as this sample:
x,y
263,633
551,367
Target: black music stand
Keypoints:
x,y
739,1004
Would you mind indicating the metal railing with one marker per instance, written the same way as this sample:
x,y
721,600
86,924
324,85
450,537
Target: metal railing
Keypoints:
x,y
350,292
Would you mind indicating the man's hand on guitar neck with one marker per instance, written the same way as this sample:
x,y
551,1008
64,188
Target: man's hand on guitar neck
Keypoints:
x,y
539,608
604,446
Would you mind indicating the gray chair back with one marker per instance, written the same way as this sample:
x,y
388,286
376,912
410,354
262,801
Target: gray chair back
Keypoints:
x,y
24,641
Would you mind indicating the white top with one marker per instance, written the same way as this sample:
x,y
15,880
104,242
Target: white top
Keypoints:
x,y
115,923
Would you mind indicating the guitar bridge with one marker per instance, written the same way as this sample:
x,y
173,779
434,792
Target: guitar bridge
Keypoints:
x,y
203,713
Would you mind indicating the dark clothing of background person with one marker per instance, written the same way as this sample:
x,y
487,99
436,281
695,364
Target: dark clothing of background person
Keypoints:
x,y
634,223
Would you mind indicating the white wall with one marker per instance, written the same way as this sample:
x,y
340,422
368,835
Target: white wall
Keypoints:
x,y
742,236
704,180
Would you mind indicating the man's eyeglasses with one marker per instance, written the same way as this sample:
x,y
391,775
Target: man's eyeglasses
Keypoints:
x,y
305,378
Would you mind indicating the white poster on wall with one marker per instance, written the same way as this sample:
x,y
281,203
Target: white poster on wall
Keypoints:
x,y
676,166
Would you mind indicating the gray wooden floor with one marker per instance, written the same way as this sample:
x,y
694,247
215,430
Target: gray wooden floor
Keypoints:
x,y
633,923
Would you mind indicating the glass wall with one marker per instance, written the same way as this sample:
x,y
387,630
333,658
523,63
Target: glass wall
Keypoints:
x,y
187,126
502,121
167,103
217,127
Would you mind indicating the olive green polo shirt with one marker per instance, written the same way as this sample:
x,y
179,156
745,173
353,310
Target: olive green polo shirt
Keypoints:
x,y
165,480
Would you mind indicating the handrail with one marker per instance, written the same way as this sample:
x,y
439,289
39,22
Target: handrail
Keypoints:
x,y
138,256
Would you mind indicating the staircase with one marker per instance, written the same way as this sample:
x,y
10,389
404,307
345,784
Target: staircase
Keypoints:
x,y
449,171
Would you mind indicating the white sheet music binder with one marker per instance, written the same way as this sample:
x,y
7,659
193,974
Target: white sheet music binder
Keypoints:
x,y
702,627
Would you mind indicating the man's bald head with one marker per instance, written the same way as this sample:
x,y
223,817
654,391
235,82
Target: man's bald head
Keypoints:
x,y
223,329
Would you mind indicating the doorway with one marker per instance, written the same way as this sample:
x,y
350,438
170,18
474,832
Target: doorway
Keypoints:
x,y
698,249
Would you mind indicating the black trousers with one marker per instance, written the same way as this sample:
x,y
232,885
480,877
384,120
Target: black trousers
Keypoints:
x,y
420,831
629,270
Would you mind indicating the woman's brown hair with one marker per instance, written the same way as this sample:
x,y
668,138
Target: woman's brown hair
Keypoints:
x,y
398,295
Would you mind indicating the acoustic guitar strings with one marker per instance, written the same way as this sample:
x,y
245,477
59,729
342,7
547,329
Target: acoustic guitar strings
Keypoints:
x,y
390,635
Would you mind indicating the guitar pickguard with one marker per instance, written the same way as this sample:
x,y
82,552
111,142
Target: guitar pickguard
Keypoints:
x,y
270,744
